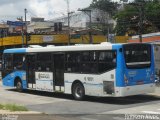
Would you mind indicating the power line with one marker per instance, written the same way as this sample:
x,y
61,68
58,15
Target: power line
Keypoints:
x,y
31,13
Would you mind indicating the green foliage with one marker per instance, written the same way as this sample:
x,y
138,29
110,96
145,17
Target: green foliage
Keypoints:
x,y
1,107
152,11
105,5
12,107
128,19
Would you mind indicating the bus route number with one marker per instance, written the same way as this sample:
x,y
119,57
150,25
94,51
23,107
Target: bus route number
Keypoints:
x,y
88,79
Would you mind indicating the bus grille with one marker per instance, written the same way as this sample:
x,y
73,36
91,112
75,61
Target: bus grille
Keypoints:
x,y
108,87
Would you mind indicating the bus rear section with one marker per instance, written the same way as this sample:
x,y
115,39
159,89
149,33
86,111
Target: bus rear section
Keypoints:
x,y
138,71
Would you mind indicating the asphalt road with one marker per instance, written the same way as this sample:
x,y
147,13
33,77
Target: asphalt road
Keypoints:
x,y
61,106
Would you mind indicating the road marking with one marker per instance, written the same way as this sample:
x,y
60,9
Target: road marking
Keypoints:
x,y
151,112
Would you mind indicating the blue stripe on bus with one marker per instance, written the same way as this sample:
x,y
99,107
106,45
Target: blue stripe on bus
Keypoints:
x,y
120,66
86,83
9,79
16,50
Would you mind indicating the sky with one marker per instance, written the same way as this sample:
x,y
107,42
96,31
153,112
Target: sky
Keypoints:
x,y
49,9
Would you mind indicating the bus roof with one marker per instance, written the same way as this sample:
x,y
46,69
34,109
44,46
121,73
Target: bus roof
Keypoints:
x,y
15,50
65,48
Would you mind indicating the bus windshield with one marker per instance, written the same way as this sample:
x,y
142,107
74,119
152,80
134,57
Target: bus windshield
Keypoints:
x,y
137,55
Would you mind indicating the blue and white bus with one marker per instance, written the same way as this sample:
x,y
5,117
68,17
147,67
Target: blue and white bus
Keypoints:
x,y
102,70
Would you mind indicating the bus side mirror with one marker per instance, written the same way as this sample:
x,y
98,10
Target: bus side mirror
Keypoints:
x,y
120,50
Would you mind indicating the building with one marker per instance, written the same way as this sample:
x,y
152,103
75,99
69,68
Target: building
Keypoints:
x,y
37,19
40,27
81,20
150,37
3,30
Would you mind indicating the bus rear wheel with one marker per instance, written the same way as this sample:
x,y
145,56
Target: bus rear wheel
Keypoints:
x,y
78,91
19,85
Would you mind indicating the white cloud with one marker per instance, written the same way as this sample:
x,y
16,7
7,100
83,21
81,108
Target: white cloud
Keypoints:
x,y
10,9
53,8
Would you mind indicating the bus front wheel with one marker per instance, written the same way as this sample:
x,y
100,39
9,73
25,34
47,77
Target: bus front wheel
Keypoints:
x,y
78,91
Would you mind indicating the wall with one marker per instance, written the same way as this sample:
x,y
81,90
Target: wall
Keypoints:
x,y
58,39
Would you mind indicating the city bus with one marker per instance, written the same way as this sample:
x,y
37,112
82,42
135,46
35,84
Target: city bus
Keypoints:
x,y
100,70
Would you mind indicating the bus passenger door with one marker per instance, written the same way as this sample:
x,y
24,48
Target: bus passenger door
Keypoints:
x,y
31,59
59,71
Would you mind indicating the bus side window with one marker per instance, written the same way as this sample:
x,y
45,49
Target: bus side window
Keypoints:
x,y
47,69
44,62
107,61
8,62
39,68
72,62
86,68
19,61
19,65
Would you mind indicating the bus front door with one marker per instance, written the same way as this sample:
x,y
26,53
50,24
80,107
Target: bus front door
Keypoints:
x,y
59,71
31,70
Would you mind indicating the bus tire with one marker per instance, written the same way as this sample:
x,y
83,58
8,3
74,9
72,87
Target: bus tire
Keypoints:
x,y
78,91
18,85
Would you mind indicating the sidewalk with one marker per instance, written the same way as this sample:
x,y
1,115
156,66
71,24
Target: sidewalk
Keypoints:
x,y
19,112
156,93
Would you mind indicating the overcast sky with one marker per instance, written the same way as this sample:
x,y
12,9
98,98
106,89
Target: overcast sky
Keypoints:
x,y
49,9
11,9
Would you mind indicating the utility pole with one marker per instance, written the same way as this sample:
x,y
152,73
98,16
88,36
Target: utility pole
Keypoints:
x,y
90,26
90,23
140,6
69,38
25,14
22,30
108,38
68,12
141,22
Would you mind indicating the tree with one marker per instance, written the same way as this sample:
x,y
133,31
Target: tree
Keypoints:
x,y
139,15
152,11
105,5
126,19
